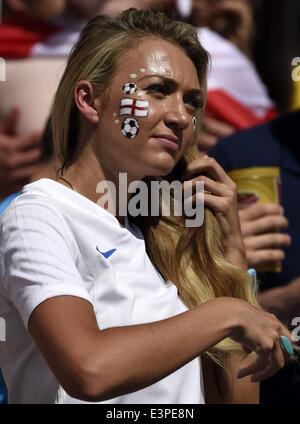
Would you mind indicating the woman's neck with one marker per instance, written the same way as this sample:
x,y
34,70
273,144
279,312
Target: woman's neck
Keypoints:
x,y
108,188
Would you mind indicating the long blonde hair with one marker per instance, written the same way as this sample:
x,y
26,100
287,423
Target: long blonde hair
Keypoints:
x,y
192,258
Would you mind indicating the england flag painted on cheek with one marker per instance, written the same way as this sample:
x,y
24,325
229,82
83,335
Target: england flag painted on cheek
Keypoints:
x,y
133,107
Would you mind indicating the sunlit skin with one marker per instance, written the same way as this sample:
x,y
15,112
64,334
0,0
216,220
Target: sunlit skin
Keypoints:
x,y
128,358
171,85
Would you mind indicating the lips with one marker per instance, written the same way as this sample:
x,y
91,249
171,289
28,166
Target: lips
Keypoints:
x,y
170,141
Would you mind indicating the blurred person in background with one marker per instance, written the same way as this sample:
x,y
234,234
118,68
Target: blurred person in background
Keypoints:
x,y
46,167
32,75
275,45
35,40
270,232
263,226
237,97
18,154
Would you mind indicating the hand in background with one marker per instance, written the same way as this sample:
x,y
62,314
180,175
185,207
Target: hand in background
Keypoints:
x,y
233,19
113,8
261,225
44,9
212,130
18,155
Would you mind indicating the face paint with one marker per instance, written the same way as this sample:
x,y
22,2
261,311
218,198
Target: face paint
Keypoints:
x,y
159,69
143,70
134,107
133,76
129,88
194,122
130,127
117,121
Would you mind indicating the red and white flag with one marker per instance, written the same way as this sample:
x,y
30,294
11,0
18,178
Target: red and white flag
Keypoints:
x,y
22,36
134,107
236,93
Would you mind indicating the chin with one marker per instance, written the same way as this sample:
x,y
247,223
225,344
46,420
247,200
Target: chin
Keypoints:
x,y
163,167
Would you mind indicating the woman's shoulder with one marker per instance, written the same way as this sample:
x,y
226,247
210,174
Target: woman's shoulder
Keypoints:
x,y
33,197
36,220
35,209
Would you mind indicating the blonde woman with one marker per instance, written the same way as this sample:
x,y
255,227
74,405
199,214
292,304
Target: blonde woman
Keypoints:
x,y
97,308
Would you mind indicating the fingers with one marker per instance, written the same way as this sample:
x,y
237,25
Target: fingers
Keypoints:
x,y
259,257
28,142
218,204
21,175
211,131
209,165
14,181
217,128
261,227
9,145
8,124
267,241
261,363
24,159
206,141
267,224
260,210
265,365
270,355
220,190
217,196
216,188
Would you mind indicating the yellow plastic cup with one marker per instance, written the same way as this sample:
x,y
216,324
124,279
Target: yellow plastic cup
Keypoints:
x,y
258,185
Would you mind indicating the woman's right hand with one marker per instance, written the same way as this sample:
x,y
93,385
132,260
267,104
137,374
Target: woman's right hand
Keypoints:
x,y
260,332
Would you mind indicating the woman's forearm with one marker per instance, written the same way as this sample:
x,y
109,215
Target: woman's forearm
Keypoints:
x,y
137,356
96,365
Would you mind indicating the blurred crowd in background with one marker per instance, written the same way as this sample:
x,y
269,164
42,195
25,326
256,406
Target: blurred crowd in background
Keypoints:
x,y
252,83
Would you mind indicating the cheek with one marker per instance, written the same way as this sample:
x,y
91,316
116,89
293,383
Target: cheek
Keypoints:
x,y
134,115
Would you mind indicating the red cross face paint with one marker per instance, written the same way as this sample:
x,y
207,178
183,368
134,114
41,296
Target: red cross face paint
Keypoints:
x,y
146,132
134,107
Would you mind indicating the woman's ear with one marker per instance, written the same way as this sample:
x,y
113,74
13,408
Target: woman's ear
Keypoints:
x,y
84,97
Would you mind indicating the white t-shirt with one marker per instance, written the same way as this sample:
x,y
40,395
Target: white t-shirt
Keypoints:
x,y
51,239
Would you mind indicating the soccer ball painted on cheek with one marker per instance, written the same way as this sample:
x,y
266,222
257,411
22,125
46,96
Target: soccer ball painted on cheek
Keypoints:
x,y
129,88
130,127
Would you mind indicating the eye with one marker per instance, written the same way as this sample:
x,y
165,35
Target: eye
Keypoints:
x,y
158,89
195,103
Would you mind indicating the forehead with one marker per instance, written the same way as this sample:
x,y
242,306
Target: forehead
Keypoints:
x,y
156,56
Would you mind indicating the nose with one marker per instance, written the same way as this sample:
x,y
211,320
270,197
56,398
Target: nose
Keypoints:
x,y
176,115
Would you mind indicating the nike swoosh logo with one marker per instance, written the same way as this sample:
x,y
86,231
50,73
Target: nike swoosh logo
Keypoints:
x,y
106,254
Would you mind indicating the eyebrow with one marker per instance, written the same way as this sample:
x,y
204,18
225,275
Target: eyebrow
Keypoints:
x,y
194,91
